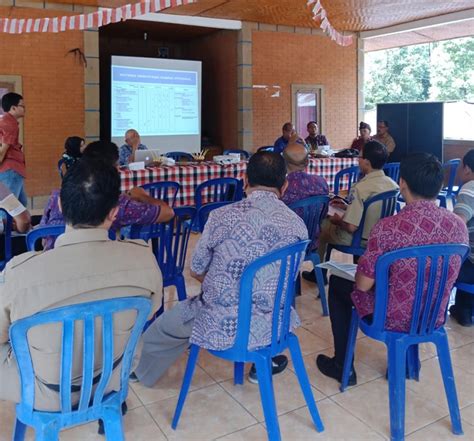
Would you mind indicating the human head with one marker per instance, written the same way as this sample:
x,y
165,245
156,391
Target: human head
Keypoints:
x,y
421,176
374,156
296,157
89,195
312,128
364,130
132,137
382,127
104,151
13,104
287,130
267,169
467,170
74,146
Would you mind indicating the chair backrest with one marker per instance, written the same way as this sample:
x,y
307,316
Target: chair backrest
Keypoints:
x,y
180,156
392,170
286,263
169,240
205,210
451,165
387,202
430,283
312,210
7,234
243,153
68,316
61,165
266,148
218,190
166,191
346,177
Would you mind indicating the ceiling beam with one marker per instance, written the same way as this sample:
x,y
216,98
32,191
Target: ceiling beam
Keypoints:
x,y
188,20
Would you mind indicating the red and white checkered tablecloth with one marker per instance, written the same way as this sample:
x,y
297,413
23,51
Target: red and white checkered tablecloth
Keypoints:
x,y
190,176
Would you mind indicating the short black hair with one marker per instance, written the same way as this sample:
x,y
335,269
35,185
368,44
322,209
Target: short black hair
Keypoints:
x,y
267,169
9,100
73,146
104,151
364,125
376,153
469,159
287,126
311,122
384,122
89,191
423,174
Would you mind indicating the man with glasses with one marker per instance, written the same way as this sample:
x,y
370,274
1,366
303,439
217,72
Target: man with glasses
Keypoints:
x,y
12,158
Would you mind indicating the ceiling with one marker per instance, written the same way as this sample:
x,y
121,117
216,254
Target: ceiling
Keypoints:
x,y
344,15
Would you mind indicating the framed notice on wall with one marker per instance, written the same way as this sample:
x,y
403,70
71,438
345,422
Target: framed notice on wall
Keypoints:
x,y
11,83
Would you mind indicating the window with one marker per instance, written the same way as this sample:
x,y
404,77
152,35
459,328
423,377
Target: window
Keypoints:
x,y
306,106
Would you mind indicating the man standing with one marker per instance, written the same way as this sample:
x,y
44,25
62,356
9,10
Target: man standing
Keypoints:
x,y
85,266
132,144
234,236
12,158
314,139
463,307
384,137
419,223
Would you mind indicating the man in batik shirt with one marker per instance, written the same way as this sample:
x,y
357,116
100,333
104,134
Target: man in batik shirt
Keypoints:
x,y
420,222
234,236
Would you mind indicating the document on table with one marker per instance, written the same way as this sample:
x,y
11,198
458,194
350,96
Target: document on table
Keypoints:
x,y
345,270
332,210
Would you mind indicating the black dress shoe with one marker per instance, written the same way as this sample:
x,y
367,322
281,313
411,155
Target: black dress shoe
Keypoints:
x,y
279,364
310,276
463,317
330,368
101,431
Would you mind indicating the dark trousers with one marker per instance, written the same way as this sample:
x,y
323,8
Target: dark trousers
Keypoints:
x,y
340,311
465,301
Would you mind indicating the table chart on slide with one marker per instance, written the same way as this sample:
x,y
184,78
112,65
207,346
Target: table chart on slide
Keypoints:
x,y
157,103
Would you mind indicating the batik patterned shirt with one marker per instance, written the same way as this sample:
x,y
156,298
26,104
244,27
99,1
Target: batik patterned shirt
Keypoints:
x,y
234,236
316,141
418,223
125,152
130,212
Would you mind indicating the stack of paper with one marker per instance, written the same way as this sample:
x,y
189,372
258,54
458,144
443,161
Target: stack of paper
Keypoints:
x,y
345,270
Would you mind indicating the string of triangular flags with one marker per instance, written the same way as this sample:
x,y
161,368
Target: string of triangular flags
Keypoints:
x,y
319,13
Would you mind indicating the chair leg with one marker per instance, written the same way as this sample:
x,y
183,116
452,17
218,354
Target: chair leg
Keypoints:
x,y
413,363
181,288
265,384
349,357
320,279
19,431
396,386
446,367
188,376
113,425
239,372
305,385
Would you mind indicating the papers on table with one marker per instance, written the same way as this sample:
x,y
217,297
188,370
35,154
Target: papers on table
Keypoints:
x,y
345,270
332,210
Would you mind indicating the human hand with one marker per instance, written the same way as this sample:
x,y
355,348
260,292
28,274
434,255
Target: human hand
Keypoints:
x,y
137,193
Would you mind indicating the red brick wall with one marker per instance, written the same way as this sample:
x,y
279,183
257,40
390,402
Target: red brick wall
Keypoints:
x,y
53,88
281,59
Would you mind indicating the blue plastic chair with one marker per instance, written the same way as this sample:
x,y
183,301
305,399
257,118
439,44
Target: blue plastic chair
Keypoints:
x,y
426,306
218,190
266,148
92,405
313,210
180,156
392,170
61,164
166,191
288,259
450,191
388,203
346,177
170,245
204,212
7,233
243,153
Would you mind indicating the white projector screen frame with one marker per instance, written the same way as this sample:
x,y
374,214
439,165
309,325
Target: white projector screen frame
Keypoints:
x,y
130,112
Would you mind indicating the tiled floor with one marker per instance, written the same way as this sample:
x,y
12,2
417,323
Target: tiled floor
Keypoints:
x,y
218,410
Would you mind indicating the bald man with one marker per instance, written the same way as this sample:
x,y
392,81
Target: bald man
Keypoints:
x,y
132,144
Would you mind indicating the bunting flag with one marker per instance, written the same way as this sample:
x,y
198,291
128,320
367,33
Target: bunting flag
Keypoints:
x,y
319,13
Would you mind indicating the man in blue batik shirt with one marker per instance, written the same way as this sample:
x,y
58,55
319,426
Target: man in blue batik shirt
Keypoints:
x,y
132,144
288,136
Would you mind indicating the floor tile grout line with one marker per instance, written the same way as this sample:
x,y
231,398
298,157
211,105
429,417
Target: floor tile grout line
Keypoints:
x,y
236,431
156,422
237,401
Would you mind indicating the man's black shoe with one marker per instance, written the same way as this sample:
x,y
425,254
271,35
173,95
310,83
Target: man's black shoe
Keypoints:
x,y
101,431
330,368
310,276
279,364
462,317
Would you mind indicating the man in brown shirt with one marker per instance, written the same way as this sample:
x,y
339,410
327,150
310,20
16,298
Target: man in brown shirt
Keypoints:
x,y
384,137
84,266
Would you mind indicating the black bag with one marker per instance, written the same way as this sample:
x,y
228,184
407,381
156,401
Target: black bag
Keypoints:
x,y
347,153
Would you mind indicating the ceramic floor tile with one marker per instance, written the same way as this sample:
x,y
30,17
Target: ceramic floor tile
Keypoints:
x,y
431,386
288,395
454,325
467,414
369,403
338,425
218,368
441,431
463,357
327,385
208,413
7,417
132,400
372,353
170,384
311,343
253,433
138,426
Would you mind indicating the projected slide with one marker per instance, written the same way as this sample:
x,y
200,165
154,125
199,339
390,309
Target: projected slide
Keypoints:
x,y
156,102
